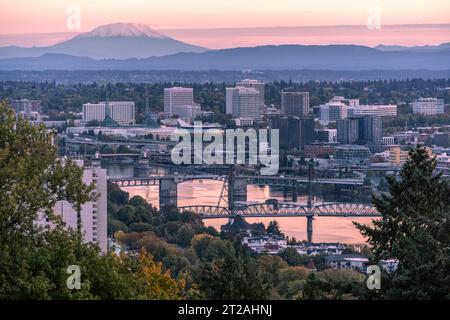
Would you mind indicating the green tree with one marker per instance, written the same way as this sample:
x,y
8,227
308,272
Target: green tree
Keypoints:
x,y
415,229
274,228
33,259
332,284
235,276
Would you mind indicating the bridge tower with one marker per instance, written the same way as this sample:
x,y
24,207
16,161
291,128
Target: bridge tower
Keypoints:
x,y
167,192
310,216
237,188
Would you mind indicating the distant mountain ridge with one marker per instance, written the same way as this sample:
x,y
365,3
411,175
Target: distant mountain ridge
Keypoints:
x,y
443,46
112,41
285,57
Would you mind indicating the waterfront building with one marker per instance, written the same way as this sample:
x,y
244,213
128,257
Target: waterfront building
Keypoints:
x,y
121,112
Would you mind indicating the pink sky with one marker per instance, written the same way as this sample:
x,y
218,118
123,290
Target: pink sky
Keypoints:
x,y
230,23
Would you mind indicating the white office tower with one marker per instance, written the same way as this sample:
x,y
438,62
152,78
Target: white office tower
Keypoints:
x,y
93,213
175,97
257,84
188,112
243,102
295,104
428,106
122,112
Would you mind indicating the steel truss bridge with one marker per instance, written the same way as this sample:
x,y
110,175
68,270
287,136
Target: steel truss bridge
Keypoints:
x,y
155,180
282,209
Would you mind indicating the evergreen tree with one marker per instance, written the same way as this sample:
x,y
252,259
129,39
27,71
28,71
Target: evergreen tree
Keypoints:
x,y
236,276
274,228
415,229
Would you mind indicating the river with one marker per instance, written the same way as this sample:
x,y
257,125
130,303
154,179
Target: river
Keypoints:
x,y
206,192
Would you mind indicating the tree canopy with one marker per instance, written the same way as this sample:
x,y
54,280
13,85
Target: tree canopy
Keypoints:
x,y
415,230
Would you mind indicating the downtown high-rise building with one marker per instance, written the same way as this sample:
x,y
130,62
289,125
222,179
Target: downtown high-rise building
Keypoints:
x,y
295,104
177,97
243,102
348,130
295,132
257,84
366,130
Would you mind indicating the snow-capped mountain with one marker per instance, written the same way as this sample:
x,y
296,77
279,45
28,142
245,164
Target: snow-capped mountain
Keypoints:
x,y
123,30
111,41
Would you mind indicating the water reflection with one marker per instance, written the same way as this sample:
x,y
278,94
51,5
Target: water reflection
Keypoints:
x,y
207,192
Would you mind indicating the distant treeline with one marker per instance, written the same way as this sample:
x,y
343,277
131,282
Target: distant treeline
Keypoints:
x,y
65,98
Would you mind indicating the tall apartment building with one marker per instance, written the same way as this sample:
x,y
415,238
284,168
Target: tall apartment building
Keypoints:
x,y
295,132
93,213
122,112
294,104
257,84
243,102
428,106
175,97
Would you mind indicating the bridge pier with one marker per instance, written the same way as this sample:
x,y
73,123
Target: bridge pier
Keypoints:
x,y
168,192
309,227
285,192
294,194
239,190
